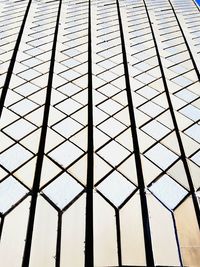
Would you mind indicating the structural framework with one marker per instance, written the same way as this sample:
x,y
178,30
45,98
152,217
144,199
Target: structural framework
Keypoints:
x,y
100,133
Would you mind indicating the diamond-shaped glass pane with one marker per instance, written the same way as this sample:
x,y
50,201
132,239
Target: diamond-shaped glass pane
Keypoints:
x,y
69,106
191,112
19,129
151,109
65,154
114,153
11,192
155,129
168,191
110,106
67,127
161,156
116,188
63,190
14,157
23,107
196,158
194,132
187,95
112,127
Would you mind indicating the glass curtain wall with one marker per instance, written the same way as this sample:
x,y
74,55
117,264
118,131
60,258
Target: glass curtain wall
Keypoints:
x,y
100,133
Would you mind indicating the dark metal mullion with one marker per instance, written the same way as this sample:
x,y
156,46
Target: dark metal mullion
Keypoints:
x,y
117,217
58,243
185,40
37,176
1,225
13,59
182,151
89,253
141,185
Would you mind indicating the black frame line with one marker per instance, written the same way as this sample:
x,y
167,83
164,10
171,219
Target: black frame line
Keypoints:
x,y
141,185
119,249
59,236
89,253
1,225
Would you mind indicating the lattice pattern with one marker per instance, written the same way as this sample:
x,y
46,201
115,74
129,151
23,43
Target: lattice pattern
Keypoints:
x,y
100,134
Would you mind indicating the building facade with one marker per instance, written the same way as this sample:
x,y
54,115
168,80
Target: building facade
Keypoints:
x,y
100,133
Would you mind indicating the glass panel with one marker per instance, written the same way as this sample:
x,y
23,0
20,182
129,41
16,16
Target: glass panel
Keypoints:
x,y
114,153
62,190
116,188
178,174
150,170
126,73
132,239
188,233
14,234
11,20
163,234
156,129
11,191
105,238
73,234
101,168
171,142
5,141
43,249
195,172
14,157
65,153
26,173
79,170
168,191
161,156
128,169
49,171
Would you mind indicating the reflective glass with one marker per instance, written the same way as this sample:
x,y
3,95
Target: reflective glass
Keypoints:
x,y
99,133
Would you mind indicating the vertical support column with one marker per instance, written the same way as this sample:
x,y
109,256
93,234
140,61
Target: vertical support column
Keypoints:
x,y
89,261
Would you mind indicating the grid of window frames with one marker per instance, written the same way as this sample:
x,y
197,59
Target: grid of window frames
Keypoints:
x,y
100,133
